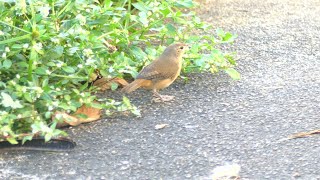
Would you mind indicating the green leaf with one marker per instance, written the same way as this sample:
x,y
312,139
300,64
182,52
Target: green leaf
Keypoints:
x,y
7,101
138,53
16,46
126,101
27,138
143,18
47,137
141,6
171,29
170,40
68,69
20,57
165,11
48,115
54,53
45,82
184,4
53,126
114,86
27,96
220,33
67,97
96,105
16,39
40,71
51,64
136,112
231,59
12,140
83,87
227,37
234,74
6,63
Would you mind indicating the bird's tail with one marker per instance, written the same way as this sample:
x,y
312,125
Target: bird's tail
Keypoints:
x,y
133,86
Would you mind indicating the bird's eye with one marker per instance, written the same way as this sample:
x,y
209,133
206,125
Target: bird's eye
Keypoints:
x,y
181,47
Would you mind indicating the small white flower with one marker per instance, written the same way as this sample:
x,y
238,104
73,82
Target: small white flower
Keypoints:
x,y
38,46
44,11
1,33
60,64
87,52
24,89
19,116
21,7
81,31
90,61
4,55
39,90
7,49
25,46
50,108
3,112
80,66
48,71
13,83
55,103
18,76
55,40
8,19
81,19
111,69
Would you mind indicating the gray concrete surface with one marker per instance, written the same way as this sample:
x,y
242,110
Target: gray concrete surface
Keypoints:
x,y
214,121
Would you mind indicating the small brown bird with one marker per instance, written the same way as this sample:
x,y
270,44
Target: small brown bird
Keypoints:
x,y
160,73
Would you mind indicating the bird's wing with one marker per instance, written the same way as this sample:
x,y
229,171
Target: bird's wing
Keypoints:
x,y
150,72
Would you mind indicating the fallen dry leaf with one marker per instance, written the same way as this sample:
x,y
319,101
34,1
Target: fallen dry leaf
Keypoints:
x,y
304,134
161,126
90,113
105,83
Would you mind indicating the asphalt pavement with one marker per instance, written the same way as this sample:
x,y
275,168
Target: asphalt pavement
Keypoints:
x,y
214,121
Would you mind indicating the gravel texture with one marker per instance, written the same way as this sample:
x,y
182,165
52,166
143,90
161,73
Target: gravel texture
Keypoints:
x,y
214,121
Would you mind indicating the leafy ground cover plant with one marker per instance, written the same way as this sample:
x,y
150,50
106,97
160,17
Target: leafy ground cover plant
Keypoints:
x,y
51,51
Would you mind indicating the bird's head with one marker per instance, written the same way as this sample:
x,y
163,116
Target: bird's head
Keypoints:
x,y
176,50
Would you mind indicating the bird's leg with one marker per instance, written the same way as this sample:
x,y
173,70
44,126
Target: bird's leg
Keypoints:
x,y
160,98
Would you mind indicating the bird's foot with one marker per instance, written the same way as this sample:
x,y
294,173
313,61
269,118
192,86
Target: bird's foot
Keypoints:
x,y
162,98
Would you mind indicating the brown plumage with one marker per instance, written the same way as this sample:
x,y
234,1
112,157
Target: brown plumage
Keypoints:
x,y
161,72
